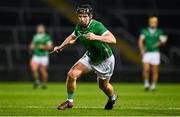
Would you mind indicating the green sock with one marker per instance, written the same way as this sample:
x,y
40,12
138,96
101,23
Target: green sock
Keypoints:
x,y
70,96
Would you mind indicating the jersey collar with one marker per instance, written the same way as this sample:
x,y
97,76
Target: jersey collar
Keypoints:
x,y
152,31
89,23
40,35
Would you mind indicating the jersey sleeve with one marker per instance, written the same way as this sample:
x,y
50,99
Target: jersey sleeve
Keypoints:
x,y
101,29
75,32
33,39
142,34
49,40
162,36
161,32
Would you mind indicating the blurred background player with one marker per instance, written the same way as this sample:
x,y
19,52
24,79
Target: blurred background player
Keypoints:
x,y
40,46
151,38
98,58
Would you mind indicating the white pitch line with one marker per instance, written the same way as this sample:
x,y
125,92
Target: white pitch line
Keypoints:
x,y
147,108
133,108
76,107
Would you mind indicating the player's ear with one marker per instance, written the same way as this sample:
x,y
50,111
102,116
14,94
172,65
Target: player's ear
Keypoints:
x,y
91,16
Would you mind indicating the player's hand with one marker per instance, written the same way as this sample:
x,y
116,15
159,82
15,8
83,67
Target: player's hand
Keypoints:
x,y
90,36
57,49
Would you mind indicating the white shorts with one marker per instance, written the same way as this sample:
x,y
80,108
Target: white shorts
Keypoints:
x,y
152,58
104,70
43,60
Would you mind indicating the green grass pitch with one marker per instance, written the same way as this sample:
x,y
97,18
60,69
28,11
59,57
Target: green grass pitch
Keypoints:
x,y
21,99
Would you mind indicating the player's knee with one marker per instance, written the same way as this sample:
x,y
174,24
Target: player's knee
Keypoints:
x,y
103,86
44,74
155,74
72,75
146,70
34,69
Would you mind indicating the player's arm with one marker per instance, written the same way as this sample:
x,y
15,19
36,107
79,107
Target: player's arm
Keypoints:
x,y
31,46
163,39
69,40
108,37
141,43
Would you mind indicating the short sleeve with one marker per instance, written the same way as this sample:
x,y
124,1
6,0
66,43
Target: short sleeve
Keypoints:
x,y
162,36
75,32
142,34
33,39
101,29
49,40
161,32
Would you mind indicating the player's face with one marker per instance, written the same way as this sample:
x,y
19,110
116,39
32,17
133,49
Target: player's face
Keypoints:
x,y
153,22
40,29
84,19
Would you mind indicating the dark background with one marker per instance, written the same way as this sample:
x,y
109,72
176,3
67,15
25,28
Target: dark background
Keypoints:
x,y
124,18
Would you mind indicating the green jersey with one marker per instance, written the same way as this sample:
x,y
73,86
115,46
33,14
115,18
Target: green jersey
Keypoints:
x,y
151,38
96,50
41,40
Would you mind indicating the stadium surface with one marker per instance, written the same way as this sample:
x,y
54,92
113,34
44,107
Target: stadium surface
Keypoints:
x,y
21,99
